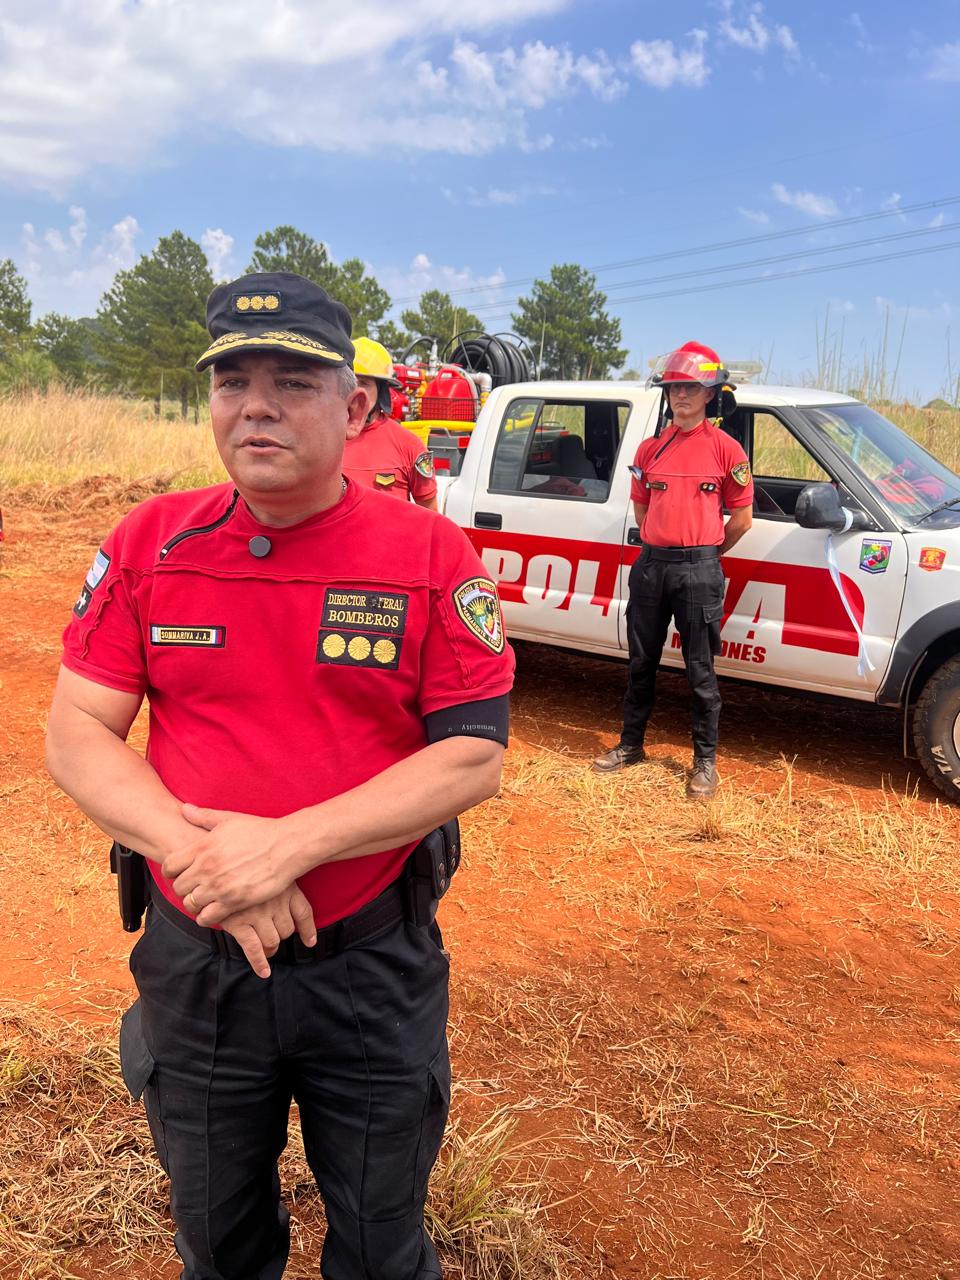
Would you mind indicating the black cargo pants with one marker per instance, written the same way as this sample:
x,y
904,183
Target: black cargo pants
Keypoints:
x,y
358,1040
685,584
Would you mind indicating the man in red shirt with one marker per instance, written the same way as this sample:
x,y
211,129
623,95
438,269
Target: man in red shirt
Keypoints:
x,y
385,455
682,480
316,707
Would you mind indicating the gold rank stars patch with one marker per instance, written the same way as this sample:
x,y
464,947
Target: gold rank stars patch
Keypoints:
x,y
362,628
247,302
478,608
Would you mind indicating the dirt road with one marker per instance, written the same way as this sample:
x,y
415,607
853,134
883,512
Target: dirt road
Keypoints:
x,y
731,1033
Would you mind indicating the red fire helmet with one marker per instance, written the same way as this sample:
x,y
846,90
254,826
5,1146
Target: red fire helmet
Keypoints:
x,y
693,362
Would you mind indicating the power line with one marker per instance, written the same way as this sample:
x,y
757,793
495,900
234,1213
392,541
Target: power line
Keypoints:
x,y
794,275
700,272
789,275
716,246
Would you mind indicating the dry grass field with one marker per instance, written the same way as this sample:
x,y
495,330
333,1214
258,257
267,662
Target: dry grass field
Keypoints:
x,y
690,1042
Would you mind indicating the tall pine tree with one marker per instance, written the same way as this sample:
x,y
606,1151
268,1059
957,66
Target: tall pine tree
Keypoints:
x,y
151,322
288,249
565,322
14,307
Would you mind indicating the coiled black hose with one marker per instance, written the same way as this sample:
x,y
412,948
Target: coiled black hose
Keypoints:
x,y
495,354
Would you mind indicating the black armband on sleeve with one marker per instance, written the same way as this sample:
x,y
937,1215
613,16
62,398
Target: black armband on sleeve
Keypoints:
x,y
488,718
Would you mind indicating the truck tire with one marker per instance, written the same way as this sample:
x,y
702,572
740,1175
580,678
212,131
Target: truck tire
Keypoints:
x,y
936,728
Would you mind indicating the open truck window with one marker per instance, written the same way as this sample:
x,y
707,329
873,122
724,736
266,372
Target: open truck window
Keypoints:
x,y
558,449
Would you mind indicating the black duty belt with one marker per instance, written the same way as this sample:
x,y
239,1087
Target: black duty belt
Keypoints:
x,y
386,909
681,553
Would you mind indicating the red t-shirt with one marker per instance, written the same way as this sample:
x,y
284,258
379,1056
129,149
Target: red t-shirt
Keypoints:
x,y
388,457
276,683
685,479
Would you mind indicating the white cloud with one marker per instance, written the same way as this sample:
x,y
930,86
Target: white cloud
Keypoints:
x,y
941,313
891,204
937,220
748,30
945,62
863,40
114,83
806,201
405,286
67,274
497,196
660,65
754,215
218,246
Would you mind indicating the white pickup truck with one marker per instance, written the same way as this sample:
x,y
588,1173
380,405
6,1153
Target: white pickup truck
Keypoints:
x,y
846,585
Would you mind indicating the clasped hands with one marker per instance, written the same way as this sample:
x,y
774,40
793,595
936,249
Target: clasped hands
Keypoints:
x,y
237,874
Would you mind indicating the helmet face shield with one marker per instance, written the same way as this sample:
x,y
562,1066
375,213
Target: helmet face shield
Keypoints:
x,y
688,366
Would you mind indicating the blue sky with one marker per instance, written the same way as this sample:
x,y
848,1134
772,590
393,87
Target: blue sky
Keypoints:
x,y
471,147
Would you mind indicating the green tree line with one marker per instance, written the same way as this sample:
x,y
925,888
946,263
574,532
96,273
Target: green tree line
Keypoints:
x,y
149,325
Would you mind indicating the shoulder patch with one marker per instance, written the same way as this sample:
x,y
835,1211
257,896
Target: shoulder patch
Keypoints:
x,y
95,575
478,608
741,473
424,465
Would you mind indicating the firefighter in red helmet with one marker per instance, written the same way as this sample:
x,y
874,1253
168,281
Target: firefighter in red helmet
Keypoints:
x,y
682,480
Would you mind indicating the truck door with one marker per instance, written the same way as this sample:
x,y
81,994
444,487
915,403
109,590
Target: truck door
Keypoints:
x,y
548,518
784,618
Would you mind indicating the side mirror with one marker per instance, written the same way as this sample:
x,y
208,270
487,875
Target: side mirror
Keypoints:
x,y
818,507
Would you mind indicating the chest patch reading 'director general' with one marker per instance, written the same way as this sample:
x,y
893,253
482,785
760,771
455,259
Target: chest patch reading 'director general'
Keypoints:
x,y
189,637
362,628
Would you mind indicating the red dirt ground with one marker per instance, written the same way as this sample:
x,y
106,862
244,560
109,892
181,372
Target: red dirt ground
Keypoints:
x,y
740,1065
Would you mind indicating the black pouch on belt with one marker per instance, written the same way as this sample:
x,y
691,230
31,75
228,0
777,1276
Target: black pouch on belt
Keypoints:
x,y
429,870
130,868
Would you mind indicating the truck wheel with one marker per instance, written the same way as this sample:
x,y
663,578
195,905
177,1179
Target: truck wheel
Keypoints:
x,y
936,728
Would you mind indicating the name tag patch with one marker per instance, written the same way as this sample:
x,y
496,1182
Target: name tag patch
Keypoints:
x,y
95,575
189,637
362,628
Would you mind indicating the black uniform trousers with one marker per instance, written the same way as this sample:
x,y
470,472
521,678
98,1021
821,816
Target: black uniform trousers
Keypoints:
x,y
687,585
358,1040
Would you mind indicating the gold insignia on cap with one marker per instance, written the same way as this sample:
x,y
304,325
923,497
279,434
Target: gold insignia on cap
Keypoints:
x,y
256,302
273,340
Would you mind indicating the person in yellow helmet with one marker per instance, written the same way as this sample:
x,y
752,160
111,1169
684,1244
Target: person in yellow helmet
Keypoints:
x,y
385,455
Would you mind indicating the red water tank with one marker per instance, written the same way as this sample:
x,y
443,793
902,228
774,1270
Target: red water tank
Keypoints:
x,y
450,397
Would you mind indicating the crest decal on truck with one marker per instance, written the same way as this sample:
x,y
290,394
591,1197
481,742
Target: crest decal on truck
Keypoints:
x,y
478,607
932,558
875,555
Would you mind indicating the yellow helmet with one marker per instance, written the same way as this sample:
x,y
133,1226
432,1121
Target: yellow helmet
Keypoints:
x,y
373,360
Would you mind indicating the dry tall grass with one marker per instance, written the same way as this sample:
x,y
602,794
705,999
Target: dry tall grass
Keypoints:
x,y
62,437
66,436
79,1177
